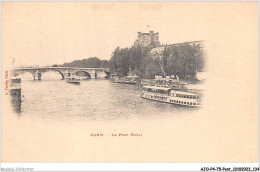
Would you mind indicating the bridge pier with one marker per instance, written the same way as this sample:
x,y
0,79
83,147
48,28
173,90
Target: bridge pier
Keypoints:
x,y
93,74
37,75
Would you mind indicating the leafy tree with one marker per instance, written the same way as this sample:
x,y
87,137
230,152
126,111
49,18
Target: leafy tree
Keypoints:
x,y
135,57
150,67
183,60
92,62
55,65
180,60
104,63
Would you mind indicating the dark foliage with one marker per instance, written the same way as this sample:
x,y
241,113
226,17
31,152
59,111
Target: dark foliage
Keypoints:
x,y
92,62
182,60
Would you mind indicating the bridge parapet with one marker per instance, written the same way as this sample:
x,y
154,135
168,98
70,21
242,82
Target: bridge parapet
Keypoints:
x,y
63,68
64,71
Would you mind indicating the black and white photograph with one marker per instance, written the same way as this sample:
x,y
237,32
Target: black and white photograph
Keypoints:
x,y
87,81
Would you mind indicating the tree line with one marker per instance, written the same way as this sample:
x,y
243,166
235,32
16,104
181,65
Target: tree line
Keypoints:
x,y
183,60
92,62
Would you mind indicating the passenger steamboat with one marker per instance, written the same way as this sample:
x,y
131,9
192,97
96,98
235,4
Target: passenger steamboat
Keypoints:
x,y
171,95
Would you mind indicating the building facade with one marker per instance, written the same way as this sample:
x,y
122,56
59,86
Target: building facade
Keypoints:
x,y
147,39
199,43
151,41
157,52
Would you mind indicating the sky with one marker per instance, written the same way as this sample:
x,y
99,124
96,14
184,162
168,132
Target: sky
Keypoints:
x,y
46,33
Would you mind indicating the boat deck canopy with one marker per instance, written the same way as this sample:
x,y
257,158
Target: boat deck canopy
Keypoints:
x,y
171,90
132,76
166,79
157,88
182,92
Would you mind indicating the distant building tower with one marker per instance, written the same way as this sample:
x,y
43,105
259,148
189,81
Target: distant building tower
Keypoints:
x,y
147,39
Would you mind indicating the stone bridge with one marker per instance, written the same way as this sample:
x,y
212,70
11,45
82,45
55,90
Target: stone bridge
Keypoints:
x,y
37,72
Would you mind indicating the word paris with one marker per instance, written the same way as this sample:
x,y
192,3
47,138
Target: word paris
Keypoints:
x,y
119,134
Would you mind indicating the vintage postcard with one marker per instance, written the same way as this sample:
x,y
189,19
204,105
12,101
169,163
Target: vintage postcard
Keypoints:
x,y
129,82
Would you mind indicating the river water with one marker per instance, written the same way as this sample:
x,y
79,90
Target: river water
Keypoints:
x,y
57,120
94,99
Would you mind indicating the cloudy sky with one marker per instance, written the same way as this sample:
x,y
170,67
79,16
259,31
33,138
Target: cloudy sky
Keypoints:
x,y
44,33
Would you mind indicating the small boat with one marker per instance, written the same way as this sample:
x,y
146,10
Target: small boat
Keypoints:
x,y
161,82
130,79
117,79
170,95
73,80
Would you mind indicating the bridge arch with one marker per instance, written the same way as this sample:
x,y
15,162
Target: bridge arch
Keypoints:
x,y
55,71
108,74
102,74
83,73
25,75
